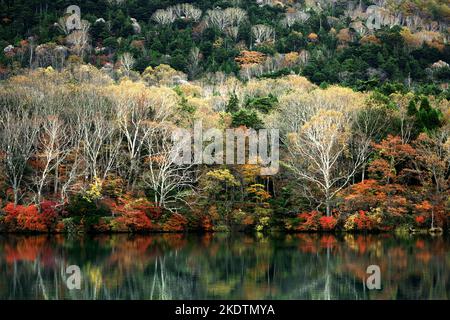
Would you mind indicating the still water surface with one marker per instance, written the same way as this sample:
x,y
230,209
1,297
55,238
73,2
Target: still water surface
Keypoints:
x,y
221,266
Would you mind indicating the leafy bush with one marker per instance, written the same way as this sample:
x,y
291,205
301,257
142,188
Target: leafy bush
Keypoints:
x,y
80,206
69,225
134,215
176,223
132,221
312,221
328,223
362,221
306,221
420,220
24,219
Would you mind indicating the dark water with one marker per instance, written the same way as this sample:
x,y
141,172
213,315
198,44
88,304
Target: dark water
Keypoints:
x,y
220,266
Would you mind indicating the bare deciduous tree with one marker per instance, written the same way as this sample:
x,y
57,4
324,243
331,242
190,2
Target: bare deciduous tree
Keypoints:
x,y
235,16
101,143
317,127
317,151
165,177
127,62
79,39
51,150
227,20
187,11
194,62
164,16
18,133
133,118
218,19
292,18
263,33
74,162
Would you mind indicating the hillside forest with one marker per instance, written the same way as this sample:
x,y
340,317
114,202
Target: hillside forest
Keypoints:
x,y
89,101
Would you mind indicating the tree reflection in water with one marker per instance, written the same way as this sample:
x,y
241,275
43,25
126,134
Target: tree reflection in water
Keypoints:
x,y
222,266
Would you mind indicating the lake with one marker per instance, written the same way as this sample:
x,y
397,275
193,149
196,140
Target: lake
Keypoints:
x,y
224,266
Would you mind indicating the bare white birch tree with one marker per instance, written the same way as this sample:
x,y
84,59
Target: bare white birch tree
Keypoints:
x,y
292,18
127,62
164,16
262,33
18,134
168,180
316,127
228,20
51,150
101,143
316,153
74,161
79,39
187,11
134,121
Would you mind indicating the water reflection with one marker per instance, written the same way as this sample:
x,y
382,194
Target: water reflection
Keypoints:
x,y
221,266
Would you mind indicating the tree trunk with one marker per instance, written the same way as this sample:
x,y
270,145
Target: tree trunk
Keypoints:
x,y
328,205
16,197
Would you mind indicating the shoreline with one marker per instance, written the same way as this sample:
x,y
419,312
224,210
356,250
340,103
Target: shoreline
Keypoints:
x,y
398,231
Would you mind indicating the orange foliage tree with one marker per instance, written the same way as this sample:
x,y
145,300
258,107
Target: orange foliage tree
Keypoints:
x,y
247,57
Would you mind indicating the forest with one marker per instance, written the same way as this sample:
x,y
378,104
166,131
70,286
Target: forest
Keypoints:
x,y
90,99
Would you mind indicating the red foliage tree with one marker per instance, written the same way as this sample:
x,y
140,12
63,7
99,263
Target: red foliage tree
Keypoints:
x,y
134,214
49,214
309,221
135,221
364,222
